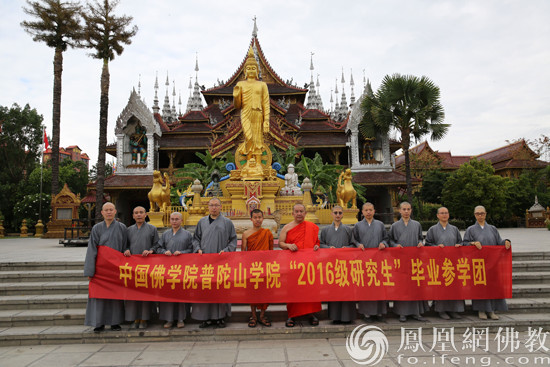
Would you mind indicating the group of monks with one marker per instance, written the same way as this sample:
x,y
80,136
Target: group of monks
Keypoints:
x,y
215,233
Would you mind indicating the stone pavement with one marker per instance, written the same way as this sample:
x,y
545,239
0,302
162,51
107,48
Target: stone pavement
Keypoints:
x,y
272,353
37,249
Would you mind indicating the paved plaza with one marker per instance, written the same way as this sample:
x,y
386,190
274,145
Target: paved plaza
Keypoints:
x,y
268,353
418,345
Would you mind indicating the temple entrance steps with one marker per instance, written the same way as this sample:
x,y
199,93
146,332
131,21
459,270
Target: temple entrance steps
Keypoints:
x,y
45,302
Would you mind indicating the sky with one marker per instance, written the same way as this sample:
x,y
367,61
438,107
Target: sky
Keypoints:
x,y
491,59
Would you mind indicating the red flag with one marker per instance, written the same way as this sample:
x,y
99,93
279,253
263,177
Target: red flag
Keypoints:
x,y
46,143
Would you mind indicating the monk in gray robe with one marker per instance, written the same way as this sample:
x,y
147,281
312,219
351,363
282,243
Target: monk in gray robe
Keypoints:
x,y
371,233
478,235
444,234
174,242
338,235
142,240
110,233
407,233
214,234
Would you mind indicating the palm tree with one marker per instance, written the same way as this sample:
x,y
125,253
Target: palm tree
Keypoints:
x,y
105,34
58,25
409,105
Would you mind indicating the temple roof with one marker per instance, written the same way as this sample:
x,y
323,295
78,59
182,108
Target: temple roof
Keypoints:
x,y
516,155
275,83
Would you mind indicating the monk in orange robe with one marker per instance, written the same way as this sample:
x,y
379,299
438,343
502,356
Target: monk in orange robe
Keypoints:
x,y
298,235
257,239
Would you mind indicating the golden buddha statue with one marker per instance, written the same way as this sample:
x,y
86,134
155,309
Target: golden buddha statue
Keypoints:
x,y
252,97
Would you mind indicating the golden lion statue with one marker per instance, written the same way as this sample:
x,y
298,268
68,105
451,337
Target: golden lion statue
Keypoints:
x,y
159,195
345,192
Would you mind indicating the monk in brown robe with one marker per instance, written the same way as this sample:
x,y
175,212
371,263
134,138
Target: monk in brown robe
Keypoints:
x,y
298,235
257,239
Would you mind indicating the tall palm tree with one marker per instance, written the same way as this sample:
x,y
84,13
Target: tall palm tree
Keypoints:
x,y
105,34
58,25
409,105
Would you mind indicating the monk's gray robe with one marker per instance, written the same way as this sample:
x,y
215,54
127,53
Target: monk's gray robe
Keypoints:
x,y
181,241
139,240
213,238
407,236
344,311
448,236
488,236
371,235
104,311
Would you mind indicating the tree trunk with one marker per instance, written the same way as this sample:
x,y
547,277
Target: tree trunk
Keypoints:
x,y
56,117
405,143
103,120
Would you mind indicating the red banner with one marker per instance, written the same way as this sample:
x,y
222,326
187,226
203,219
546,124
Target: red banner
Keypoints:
x,y
428,273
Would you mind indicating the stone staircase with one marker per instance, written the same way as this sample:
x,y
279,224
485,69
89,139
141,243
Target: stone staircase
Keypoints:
x,y
45,302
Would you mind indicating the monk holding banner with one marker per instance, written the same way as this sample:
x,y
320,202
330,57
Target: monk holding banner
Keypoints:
x,y
298,235
257,239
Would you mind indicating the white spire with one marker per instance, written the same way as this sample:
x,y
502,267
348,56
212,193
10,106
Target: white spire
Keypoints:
x,y
336,103
179,103
319,99
312,97
255,29
190,99
156,108
174,116
166,111
352,84
195,99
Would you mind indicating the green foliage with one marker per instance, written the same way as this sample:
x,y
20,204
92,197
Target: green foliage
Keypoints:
x,y
105,33
20,139
323,176
475,183
432,186
55,23
109,171
202,172
74,174
286,157
409,105
28,208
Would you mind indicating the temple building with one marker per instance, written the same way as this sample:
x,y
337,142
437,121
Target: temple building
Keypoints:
x,y
164,138
508,161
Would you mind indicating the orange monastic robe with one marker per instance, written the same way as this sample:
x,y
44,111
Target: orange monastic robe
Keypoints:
x,y
261,240
304,235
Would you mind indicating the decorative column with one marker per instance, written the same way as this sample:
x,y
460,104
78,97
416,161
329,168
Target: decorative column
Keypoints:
x,y
196,210
308,203
354,148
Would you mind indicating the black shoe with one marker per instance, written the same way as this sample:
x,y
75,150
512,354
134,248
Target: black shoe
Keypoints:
x,y
379,318
205,324
221,323
402,318
367,318
99,329
116,327
336,322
